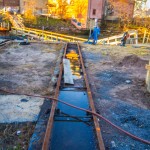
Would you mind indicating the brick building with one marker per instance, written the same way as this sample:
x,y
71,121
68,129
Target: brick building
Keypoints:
x,y
38,6
119,9
96,9
11,4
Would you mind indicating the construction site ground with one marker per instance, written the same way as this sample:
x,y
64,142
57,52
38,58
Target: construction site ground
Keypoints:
x,y
117,79
117,76
25,69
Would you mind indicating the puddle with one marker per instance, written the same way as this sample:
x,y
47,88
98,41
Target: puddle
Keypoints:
x,y
73,129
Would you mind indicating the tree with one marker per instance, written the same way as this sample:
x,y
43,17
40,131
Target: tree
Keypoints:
x,y
80,8
29,11
62,8
139,8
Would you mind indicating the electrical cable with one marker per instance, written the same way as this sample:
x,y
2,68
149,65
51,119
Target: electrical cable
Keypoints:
x,y
82,109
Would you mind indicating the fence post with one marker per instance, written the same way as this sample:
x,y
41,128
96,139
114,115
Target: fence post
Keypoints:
x,y
116,41
4,25
147,38
136,37
144,37
148,76
108,41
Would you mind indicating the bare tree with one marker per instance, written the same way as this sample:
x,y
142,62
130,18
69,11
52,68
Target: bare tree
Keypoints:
x,y
80,8
62,8
29,10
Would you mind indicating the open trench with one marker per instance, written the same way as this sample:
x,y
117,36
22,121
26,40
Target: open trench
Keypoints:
x,y
69,128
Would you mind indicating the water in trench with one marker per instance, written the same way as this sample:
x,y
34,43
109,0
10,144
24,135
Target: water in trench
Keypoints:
x,y
73,129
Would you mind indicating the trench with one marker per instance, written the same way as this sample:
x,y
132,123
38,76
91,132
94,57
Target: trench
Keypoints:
x,y
73,129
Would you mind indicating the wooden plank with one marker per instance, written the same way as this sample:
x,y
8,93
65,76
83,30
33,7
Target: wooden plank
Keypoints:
x,y
68,78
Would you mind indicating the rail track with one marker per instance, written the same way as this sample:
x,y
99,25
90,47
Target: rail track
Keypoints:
x,y
81,87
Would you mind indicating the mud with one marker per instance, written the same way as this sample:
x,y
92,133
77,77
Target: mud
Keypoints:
x,y
133,61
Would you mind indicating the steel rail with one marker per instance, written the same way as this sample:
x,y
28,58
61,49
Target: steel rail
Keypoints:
x,y
47,137
96,123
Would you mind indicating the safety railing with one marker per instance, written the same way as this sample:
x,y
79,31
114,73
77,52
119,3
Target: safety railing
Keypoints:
x,y
45,35
51,36
4,25
115,40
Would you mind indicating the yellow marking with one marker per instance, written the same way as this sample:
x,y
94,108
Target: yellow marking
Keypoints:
x,y
75,73
98,129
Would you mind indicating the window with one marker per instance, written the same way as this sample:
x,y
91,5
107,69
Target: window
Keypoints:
x,y
94,11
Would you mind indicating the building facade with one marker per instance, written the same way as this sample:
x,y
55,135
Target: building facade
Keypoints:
x,y
37,6
10,3
96,9
116,9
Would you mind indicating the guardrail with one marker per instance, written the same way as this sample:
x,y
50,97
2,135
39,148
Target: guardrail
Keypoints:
x,y
46,35
146,37
51,36
4,26
143,33
114,40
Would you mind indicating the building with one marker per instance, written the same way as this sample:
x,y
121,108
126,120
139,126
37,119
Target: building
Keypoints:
x,y
96,9
116,9
11,4
37,6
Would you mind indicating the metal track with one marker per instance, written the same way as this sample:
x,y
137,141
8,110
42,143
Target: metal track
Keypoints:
x,y
47,137
97,127
54,104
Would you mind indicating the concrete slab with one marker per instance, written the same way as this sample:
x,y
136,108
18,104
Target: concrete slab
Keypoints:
x,y
14,108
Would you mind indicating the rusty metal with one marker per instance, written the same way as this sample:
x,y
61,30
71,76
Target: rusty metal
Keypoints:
x,y
47,137
96,124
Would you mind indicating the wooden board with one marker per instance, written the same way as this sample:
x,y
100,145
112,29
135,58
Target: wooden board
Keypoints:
x,y
68,78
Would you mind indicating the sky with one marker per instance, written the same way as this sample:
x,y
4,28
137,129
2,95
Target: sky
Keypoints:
x,y
148,4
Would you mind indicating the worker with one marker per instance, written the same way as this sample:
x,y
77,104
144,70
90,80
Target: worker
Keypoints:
x,y
124,39
96,33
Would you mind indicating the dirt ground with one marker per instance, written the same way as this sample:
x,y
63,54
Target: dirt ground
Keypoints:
x,y
28,69
117,77
15,136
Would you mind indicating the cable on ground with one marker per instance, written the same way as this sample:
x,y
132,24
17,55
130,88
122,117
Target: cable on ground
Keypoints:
x,y
93,113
